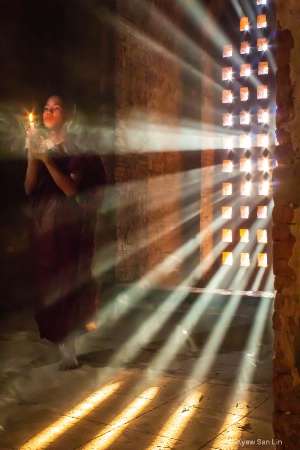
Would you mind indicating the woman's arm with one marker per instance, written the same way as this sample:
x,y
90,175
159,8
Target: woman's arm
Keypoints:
x,y
67,183
31,178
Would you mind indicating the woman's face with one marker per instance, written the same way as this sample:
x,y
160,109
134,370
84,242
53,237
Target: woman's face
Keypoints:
x,y
54,115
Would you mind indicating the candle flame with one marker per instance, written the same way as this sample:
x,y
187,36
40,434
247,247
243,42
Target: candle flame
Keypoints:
x,y
30,117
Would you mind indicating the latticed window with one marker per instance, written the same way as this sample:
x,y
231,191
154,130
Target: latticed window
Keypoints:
x,y
246,161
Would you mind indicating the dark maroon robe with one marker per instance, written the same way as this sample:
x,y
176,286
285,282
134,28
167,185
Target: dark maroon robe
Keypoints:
x,y
62,250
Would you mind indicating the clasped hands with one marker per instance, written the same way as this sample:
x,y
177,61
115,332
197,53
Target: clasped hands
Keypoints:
x,y
37,148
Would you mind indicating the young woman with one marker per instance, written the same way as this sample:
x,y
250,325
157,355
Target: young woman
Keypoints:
x,y
59,180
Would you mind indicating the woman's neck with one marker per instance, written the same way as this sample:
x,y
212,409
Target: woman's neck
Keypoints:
x,y
57,136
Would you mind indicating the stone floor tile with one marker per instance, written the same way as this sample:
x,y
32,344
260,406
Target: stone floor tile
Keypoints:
x,y
263,411
155,393
33,427
182,419
26,422
40,395
247,433
225,398
124,439
168,388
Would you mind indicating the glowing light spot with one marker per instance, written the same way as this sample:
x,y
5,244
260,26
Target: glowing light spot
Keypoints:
x,y
262,91
262,260
245,70
261,21
227,189
245,141
262,237
262,44
227,165
244,24
246,188
261,2
263,68
227,51
227,96
226,235
263,187
245,48
244,118
226,212
110,433
262,140
176,424
244,94
244,212
42,440
263,116
227,120
91,326
245,165
262,212
228,142
30,117
227,73
245,260
244,235
227,258
263,164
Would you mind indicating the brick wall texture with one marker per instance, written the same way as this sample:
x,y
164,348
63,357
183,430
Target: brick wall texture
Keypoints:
x,y
156,92
148,93
286,230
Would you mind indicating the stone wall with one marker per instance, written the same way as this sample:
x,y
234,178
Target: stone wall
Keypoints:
x,y
162,58
286,227
148,99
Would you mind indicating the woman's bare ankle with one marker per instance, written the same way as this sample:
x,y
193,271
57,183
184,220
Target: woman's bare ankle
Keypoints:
x,y
68,355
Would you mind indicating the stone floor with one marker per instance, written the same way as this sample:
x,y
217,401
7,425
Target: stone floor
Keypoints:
x,y
156,374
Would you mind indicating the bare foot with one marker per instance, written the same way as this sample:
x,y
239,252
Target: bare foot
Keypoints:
x,y
68,355
91,326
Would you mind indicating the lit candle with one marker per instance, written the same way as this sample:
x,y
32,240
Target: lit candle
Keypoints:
x,y
31,123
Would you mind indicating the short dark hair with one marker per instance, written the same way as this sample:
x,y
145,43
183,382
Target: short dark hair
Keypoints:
x,y
68,102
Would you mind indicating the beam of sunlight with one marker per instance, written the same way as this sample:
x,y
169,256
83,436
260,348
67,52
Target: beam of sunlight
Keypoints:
x,y
250,357
176,424
110,433
269,286
134,293
151,326
157,47
148,279
210,350
240,393
129,299
209,26
165,25
134,344
42,440
204,20
184,328
188,186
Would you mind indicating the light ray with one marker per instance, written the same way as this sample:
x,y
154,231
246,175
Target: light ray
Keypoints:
x,y
245,374
176,424
151,326
42,440
110,433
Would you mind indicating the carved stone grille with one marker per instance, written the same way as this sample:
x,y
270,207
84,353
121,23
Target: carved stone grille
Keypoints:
x,y
244,163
